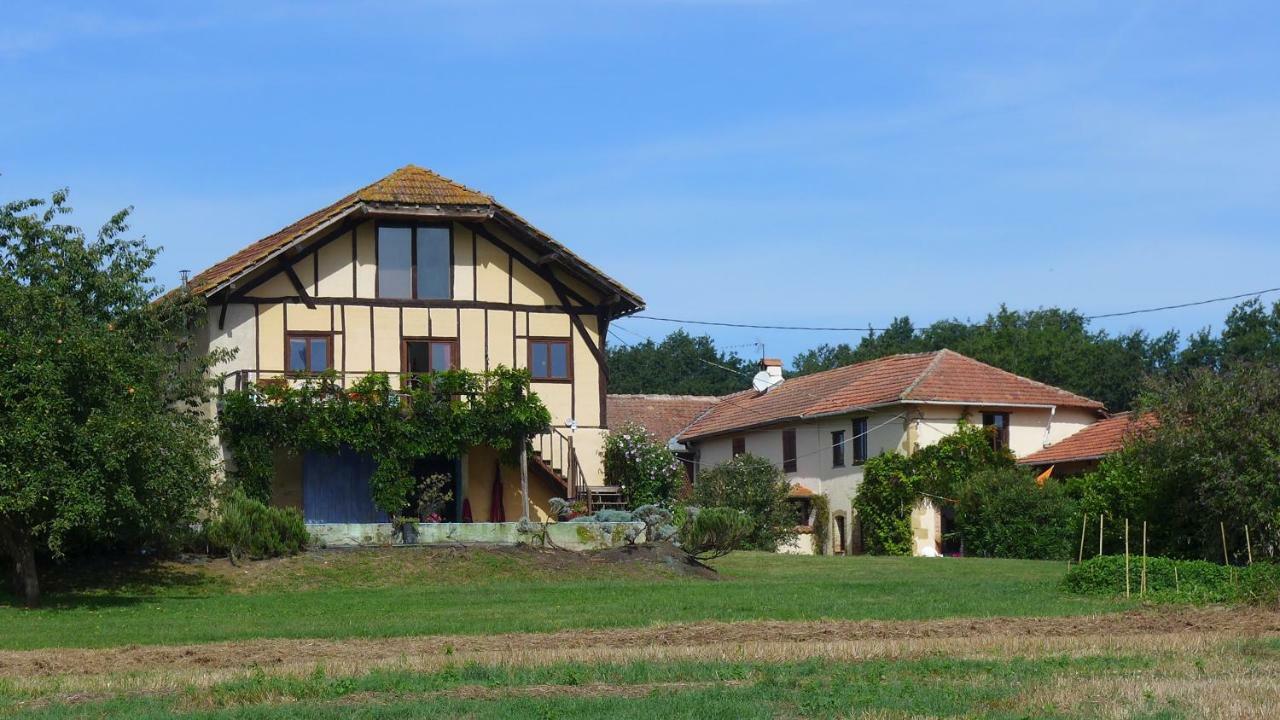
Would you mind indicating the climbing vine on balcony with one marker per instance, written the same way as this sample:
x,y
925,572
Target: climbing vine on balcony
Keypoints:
x,y
443,414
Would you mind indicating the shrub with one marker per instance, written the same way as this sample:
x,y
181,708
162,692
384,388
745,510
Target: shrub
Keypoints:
x,y
713,532
821,523
884,502
1195,580
645,469
1005,513
244,527
755,487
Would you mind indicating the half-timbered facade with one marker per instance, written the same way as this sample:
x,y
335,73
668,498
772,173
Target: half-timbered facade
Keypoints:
x,y
409,274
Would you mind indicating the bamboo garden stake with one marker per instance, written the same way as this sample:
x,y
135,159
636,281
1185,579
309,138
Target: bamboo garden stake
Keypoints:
x,y
1099,534
1223,528
1143,586
1084,522
1248,545
1126,557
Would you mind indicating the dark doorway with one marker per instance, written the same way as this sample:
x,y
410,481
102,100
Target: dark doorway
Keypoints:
x,y
840,541
450,511
952,543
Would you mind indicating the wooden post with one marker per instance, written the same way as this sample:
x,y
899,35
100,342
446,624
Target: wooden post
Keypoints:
x,y
1084,522
1126,557
1099,534
1143,586
1223,528
524,481
1248,544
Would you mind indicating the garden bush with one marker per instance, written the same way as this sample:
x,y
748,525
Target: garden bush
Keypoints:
x,y
644,468
755,487
1005,513
246,528
713,532
884,502
1196,581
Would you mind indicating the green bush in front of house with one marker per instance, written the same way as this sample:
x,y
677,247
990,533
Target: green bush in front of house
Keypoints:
x,y
709,533
246,528
755,487
1005,513
644,468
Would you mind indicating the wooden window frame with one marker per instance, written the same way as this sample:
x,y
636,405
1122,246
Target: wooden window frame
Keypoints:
x,y
837,448
739,446
858,439
789,439
308,335
404,350
412,227
567,342
1000,437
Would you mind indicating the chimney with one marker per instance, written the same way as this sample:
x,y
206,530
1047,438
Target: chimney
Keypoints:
x,y
773,366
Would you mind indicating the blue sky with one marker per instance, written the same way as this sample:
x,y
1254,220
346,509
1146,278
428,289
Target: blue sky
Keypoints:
x,y
754,160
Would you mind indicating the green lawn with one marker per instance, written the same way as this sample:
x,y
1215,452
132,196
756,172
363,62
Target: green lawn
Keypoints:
x,y
374,594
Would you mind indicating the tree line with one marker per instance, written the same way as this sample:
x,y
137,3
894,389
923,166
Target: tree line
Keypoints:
x,y
1051,345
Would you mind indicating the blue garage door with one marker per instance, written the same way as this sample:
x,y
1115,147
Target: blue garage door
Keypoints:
x,y
335,488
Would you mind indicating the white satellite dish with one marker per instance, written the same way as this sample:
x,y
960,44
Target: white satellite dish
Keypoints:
x,y
763,382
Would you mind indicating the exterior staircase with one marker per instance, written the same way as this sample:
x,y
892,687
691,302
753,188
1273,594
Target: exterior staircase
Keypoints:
x,y
553,455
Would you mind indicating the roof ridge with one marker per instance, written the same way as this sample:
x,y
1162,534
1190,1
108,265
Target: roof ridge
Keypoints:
x,y
928,370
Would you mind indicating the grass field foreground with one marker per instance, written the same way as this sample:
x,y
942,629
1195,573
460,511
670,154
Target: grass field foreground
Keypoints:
x,y
398,592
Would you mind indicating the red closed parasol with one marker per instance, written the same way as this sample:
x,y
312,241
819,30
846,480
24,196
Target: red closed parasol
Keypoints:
x,y
496,511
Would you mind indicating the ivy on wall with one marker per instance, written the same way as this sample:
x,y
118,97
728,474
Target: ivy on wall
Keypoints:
x,y
444,414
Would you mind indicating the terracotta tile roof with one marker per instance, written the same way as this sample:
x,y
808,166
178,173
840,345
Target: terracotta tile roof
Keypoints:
x,y
942,376
664,416
1092,442
409,186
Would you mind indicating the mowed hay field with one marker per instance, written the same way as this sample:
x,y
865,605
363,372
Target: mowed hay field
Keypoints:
x,y
480,633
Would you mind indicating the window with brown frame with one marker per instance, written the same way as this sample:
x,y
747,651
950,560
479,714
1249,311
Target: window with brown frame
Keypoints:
x,y
999,429
739,446
550,359
858,442
789,451
415,262
308,352
420,356
837,449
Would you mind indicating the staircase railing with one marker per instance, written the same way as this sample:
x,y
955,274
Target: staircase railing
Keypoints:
x,y
556,450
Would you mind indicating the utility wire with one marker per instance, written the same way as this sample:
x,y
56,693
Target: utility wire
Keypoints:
x,y
870,329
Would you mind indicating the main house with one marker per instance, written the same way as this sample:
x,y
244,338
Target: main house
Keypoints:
x,y
410,274
821,428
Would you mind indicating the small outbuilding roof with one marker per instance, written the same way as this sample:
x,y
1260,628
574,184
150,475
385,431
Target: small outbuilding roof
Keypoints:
x,y
664,416
1093,442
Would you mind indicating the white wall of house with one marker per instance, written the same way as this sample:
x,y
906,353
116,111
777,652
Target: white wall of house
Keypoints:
x,y
900,428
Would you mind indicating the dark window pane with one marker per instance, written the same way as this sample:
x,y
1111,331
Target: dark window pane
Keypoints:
x,y
538,360
441,356
739,446
395,261
860,440
319,354
837,448
789,450
297,354
559,360
417,357
433,263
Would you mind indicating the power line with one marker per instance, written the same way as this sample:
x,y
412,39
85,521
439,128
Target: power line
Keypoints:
x,y
870,329
1255,293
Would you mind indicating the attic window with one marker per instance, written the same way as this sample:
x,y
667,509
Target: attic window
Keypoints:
x,y
999,429
414,262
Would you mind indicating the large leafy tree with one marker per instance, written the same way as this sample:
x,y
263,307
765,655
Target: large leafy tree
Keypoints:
x,y
104,440
1211,463
679,365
